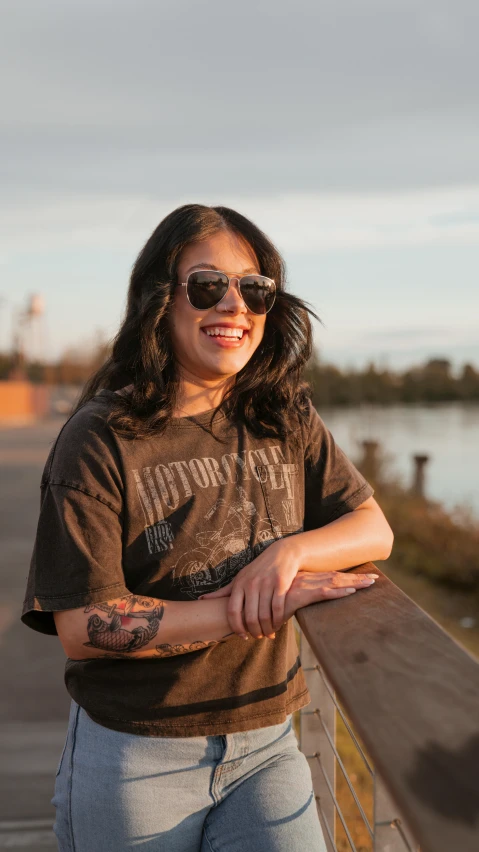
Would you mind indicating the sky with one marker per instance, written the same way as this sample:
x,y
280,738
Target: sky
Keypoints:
x,y
347,130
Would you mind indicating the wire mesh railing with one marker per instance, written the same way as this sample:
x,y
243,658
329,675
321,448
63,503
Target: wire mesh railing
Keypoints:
x,y
392,725
334,751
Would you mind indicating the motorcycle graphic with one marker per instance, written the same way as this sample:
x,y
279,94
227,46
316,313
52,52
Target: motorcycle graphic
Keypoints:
x,y
222,553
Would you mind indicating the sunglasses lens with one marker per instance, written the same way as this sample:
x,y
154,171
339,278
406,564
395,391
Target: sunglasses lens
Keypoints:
x,y
205,289
258,293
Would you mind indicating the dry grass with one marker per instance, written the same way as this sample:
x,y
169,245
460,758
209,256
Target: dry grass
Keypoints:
x,y
429,540
455,610
362,782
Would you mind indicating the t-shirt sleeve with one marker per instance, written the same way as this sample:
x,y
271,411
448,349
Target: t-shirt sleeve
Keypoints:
x,y
333,485
77,555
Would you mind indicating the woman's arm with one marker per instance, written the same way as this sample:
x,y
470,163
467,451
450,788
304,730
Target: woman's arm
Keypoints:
x,y
257,595
141,626
360,536
138,626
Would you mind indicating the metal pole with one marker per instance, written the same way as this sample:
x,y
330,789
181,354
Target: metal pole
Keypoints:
x,y
390,831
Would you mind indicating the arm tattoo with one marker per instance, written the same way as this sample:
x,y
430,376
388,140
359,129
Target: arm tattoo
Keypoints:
x,y
172,650
113,636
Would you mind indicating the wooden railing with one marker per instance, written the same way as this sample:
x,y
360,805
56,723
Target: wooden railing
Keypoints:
x,y
408,696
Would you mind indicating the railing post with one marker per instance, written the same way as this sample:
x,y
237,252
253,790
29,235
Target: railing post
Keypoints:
x,y
313,741
390,832
419,475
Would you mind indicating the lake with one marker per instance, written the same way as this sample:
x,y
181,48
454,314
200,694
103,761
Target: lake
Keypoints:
x,y
447,432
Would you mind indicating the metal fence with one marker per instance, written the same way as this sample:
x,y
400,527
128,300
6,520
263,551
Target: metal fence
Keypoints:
x,y
396,698
384,829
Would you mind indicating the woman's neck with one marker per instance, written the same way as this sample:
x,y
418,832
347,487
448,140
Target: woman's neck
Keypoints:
x,y
198,395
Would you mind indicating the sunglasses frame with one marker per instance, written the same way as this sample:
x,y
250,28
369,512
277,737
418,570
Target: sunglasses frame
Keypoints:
x,y
230,278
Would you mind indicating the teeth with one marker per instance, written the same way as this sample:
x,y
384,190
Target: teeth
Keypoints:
x,y
225,332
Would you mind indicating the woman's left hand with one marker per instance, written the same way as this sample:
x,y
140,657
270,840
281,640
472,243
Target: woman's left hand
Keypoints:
x,y
258,592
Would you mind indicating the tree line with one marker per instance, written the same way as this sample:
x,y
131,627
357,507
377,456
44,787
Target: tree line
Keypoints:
x,y
433,381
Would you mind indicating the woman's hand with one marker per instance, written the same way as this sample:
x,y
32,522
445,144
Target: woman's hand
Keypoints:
x,y
258,592
306,588
312,587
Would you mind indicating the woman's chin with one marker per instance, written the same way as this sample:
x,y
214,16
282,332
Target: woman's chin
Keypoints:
x,y
222,366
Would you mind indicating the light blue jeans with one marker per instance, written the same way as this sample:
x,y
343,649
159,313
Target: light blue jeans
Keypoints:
x,y
243,792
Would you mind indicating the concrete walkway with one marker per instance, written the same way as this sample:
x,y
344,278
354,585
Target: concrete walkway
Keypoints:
x,y
34,703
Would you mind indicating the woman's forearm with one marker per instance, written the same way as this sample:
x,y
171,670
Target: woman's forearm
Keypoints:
x,y
363,535
140,626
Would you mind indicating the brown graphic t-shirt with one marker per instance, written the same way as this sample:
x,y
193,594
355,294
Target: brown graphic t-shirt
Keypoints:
x,y
174,517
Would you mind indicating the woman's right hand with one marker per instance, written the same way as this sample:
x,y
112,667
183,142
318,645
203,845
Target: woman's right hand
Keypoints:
x,y
312,587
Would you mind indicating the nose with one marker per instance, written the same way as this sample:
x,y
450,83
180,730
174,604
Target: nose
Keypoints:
x,y
233,301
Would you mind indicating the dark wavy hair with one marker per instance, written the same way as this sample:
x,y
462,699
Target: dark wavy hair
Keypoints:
x,y
268,393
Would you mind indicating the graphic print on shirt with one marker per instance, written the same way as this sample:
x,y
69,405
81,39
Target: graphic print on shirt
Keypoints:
x,y
280,478
236,530
220,553
158,531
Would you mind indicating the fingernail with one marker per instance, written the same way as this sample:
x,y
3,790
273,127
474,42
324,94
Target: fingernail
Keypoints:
x,y
244,636
369,581
350,591
374,576
201,597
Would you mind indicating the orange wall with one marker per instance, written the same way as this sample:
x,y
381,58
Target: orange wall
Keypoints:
x,y
22,399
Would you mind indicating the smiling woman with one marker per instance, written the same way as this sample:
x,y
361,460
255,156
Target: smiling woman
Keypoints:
x,y
162,349
195,500
219,340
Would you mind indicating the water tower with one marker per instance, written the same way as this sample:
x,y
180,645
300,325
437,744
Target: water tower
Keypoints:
x,y
35,332
28,335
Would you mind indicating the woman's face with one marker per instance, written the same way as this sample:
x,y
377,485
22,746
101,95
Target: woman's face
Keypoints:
x,y
201,354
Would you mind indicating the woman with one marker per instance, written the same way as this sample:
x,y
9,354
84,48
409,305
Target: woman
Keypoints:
x,y
190,505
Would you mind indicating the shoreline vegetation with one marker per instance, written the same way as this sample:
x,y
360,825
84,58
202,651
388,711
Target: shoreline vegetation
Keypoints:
x,y
432,381
435,556
430,541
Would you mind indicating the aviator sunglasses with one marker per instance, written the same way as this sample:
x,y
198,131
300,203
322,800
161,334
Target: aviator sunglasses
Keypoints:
x,y
205,288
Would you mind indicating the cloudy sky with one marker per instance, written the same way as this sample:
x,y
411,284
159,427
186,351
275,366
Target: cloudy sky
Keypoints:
x,y
348,130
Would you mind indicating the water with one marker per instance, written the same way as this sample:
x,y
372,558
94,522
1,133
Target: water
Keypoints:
x,y
447,432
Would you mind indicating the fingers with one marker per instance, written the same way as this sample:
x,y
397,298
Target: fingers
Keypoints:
x,y
251,612
219,593
269,616
337,593
348,584
277,606
339,579
235,611
265,612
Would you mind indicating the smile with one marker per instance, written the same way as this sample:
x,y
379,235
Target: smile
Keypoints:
x,y
227,337
224,332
